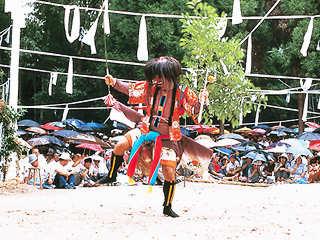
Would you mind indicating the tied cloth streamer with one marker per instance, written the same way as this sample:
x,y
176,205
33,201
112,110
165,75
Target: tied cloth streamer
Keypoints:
x,y
75,29
249,55
307,39
305,87
236,13
53,81
88,38
106,21
142,53
69,84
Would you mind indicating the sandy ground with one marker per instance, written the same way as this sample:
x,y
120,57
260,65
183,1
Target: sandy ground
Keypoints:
x,y
208,211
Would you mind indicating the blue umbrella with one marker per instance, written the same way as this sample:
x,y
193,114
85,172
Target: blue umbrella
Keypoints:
x,y
308,136
28,123
277,133
21,132
95,125
74,122
65,133
246,147
262,126
231,136
224,151
45,140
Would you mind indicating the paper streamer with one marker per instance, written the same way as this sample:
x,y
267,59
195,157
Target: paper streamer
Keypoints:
x,y
142,53
307,39
65,113
75,29
241,113
288,97
318,107
7,39
90,35
9,5
69,85
224,67
222,27
305,108
306,85
53,81
236,13
249,55
256,121
0,40
106,21
318,46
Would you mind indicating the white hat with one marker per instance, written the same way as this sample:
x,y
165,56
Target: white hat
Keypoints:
x,y
65,156
32,158
284,155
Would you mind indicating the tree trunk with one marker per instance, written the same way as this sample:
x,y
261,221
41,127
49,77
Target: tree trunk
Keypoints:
x,y
221,127
301,98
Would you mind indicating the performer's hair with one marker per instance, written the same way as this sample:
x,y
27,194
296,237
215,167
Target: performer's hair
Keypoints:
x,y
166,67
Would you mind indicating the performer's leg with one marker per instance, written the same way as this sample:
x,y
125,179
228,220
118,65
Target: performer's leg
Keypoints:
x,y
116,160
168,161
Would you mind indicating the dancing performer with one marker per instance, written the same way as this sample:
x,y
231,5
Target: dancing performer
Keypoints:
x,y
165,101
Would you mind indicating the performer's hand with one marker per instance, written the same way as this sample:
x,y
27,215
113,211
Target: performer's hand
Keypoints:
x,y
109,80
109,100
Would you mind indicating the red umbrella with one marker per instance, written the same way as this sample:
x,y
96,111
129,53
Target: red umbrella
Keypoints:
x,y
51,126
36,130
314,145
312,125
91,146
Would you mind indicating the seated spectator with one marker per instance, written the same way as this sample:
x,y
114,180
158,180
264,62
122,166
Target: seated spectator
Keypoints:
x,y
246,164
282,168
215,168
255,174
99,166
64,177
233,167
299,170
87,173
314,170
38,173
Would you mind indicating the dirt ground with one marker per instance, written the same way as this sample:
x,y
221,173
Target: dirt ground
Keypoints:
x,y
208,211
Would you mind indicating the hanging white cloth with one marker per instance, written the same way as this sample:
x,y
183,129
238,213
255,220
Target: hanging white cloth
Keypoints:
x,y
241,113
142,53
249,55
7,39
75,29
0,40
318,107
306,85
236,13
90,35
318,46
53,81
69,85
256,121
224,67
307,39
305,108
65,113
222,27
106,21
288,97
9,5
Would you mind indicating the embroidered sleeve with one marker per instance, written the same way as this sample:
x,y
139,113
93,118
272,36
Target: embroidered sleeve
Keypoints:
x,y
190,102
137,92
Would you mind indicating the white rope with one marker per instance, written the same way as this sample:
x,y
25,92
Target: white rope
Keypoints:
x,y
66,74
62,108
173,16
260,22
142,64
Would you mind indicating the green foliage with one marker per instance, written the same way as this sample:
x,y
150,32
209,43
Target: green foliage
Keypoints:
x,y
204,52
8,141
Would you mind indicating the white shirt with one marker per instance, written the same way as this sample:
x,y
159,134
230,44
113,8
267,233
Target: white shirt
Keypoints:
x,y
232,166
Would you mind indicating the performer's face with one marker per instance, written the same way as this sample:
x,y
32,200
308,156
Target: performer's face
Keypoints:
x,y
161,81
